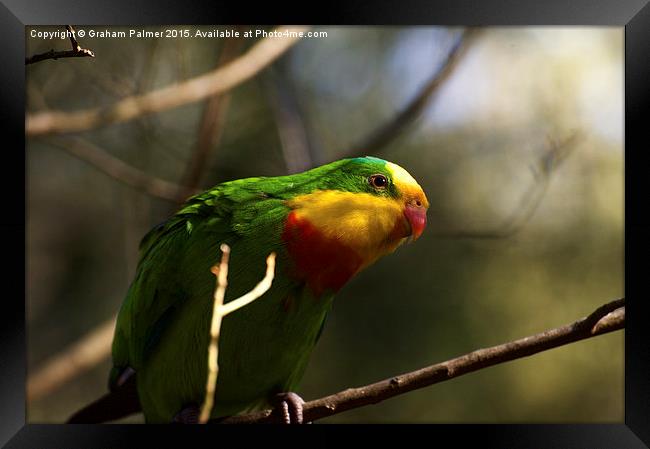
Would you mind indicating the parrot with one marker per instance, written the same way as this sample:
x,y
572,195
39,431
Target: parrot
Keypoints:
x,y
325,224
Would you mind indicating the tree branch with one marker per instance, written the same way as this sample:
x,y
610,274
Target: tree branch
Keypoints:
x,y
531,199
83,355
391,130
121,171
76,52
220,310
607,318
218,81
212,123
221,272
294,142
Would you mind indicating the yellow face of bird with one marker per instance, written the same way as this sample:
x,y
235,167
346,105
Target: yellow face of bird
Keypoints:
x,y
379,206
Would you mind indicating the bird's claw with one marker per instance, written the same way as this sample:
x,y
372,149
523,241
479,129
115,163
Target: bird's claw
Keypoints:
x,y
290,407
188,415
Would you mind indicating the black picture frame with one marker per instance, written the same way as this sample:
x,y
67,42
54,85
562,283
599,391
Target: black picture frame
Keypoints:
x,y
634,15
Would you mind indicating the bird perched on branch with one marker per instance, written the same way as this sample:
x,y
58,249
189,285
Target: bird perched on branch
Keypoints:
x,y
325,224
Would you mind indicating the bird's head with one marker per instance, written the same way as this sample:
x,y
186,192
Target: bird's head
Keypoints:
x,y
365,204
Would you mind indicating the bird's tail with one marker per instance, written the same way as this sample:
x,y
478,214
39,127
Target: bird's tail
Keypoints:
x,y
120,402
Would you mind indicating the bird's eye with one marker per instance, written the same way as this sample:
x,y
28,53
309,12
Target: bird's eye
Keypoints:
x,y
378,181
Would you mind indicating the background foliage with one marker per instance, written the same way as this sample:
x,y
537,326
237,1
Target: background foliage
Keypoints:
x,y
477,148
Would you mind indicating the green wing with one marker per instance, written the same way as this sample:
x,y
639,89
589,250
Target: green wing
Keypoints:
x,y
264,347
222,215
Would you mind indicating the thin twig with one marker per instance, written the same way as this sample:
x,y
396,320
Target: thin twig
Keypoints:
x,y
95,346
385,134
212,123
76,52
83,355
607,318
295,145
261,288
217,81
119,170
531,199
219,310
215,327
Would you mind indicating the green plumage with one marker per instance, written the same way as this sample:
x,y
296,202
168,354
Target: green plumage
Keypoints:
x,y
163,326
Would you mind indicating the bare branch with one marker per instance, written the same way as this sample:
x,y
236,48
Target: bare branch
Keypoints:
x,y
94,347
121,171
530,201
291,128
391,130
261,288
215,328
607,318
219,310
76,52
212,123
80,357
218,81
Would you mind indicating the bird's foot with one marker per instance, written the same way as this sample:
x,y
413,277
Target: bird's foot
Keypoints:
x,y
289,407
188,415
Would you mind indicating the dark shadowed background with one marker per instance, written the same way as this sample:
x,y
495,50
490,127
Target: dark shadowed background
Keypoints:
x,y
519,150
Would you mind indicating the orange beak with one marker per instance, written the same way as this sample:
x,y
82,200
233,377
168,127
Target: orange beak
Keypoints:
x,y
417,218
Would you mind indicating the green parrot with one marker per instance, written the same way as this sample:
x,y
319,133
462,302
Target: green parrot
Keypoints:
x,y
325,225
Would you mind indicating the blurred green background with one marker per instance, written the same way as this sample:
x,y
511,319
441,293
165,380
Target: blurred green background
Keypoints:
x,y
479,148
